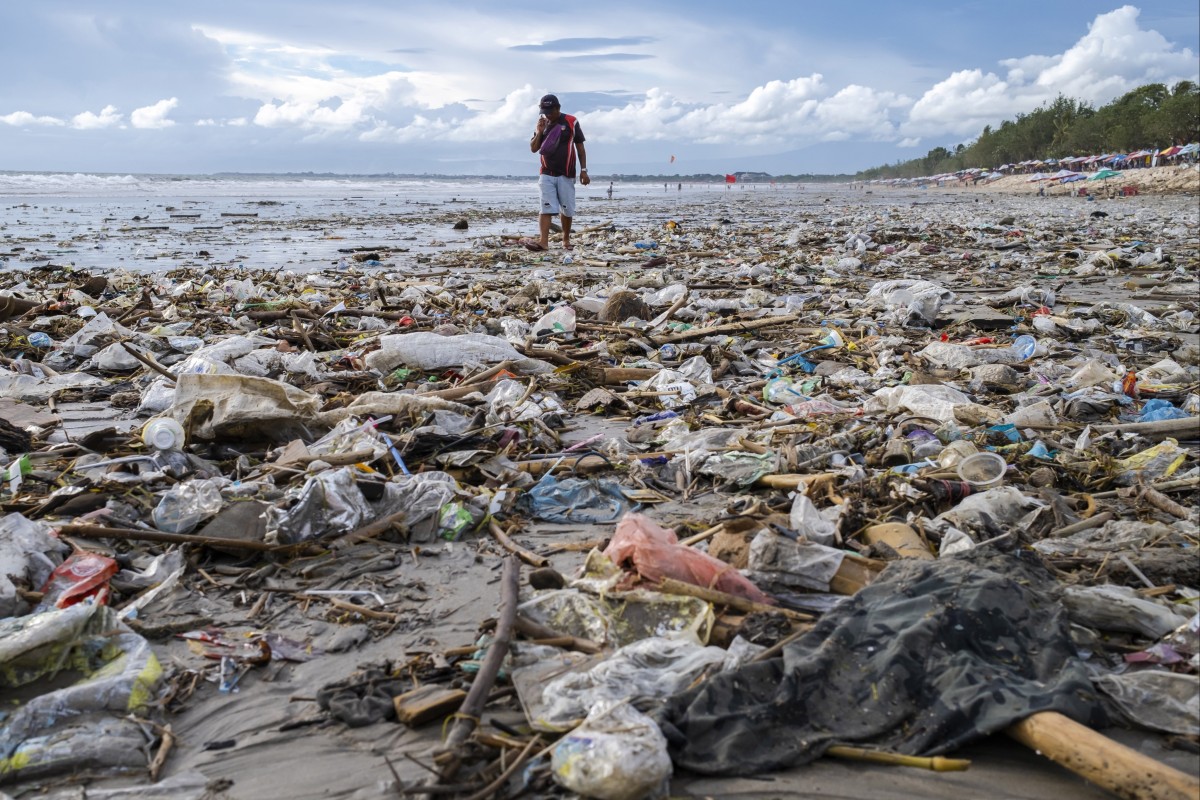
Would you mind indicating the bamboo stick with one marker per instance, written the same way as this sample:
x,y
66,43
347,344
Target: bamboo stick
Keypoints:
x,y
716,597
1117,768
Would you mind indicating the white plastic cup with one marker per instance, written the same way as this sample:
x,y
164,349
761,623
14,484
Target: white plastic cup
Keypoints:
x,y
163,433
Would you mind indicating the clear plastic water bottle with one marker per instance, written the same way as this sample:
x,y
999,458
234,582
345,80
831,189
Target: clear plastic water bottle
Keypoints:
x,y
163,433
1024,346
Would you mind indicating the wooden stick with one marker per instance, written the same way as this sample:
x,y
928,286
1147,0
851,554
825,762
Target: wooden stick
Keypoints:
x,y
1082,525
731,327
537,631
532,559
139,535
164,750
1111,765
935,763
716,597
1165,427
467,718
149,362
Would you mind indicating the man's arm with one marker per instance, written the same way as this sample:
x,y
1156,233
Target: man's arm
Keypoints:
x,y
536,141
583,174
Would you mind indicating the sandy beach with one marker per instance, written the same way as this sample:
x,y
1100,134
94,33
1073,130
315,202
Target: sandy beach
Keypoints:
x,y
274,259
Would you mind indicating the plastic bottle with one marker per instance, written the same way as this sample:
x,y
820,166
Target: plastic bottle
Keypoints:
x,y
40,339
646,245
668,352
1024,346
163,433
657,417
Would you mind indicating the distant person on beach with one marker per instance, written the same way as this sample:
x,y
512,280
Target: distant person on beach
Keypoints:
x,y
610,187
559,141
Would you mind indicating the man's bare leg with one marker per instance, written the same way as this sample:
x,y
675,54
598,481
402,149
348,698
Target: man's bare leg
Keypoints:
x,y
566,229
544,230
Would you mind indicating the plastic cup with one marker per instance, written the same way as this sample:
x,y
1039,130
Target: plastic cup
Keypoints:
x,y
983,470
163,434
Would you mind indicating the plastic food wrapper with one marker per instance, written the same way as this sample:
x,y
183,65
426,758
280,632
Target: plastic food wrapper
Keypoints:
x,y
655,553
1157,699
640,673
79,725
618,753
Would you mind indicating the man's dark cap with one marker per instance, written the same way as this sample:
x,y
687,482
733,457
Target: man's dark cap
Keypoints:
x,y
548,102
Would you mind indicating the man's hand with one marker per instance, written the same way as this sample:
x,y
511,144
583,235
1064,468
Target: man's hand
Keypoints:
x,y
541,126
584,179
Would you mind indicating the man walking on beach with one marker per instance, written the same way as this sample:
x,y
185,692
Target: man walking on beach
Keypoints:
x,y
559,141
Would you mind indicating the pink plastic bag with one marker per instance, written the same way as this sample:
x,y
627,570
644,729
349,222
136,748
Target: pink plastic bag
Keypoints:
x,y
654,553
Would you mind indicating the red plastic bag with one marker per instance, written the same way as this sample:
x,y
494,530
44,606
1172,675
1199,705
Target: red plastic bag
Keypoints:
x,y
654,553
81,576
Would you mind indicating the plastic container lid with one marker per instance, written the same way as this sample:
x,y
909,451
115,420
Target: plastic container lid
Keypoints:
x,y
982,470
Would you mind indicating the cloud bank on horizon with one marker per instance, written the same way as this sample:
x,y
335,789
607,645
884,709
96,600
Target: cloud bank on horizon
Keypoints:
x,y
216,88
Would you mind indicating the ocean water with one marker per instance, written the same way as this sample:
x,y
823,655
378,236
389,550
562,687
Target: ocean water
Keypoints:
x,y
164,222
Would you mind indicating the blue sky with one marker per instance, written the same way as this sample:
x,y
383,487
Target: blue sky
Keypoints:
x,y
369,86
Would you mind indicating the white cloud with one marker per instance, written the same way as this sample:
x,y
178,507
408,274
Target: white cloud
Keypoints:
x,y
24,118
909,142
107,118
1115,56
154,116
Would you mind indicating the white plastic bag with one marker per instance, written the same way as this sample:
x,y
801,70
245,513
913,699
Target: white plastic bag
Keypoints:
x,y
618,753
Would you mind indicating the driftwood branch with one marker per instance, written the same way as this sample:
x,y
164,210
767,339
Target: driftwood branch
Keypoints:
x,y
467,718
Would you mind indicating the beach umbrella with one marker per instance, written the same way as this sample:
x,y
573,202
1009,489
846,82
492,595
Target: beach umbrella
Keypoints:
x,y
1104,175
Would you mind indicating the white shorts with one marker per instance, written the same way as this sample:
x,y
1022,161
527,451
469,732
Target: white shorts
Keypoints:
x,y
558,195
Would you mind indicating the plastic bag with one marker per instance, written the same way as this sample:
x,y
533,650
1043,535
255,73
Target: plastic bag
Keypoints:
x,y
1153,463
1119,608
654,553
557,320
74,726
186,505
26,550
242,406
575,500
1157,699
328,503
431,352
640,673
779,561
618,753
806,519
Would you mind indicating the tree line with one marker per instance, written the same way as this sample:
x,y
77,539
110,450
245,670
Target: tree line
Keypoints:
x,y
1149,117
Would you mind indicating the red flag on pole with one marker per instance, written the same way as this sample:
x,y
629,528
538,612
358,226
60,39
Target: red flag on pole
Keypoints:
x,y
731,178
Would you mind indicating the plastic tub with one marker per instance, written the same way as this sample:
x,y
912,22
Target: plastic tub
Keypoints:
x,y
983,470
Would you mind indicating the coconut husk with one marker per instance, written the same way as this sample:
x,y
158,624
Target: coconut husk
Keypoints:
x,y
623,305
